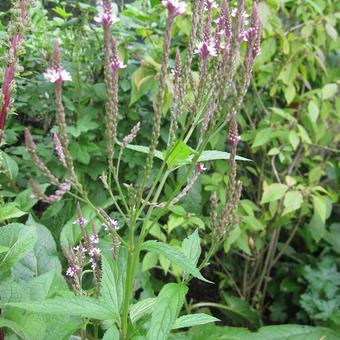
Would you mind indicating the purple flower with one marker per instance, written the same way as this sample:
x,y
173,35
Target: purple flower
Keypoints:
x,y
233,138
210,4
72,270
94,238
105,15
57,74
206,49
59,149
174,7
116,64
81,221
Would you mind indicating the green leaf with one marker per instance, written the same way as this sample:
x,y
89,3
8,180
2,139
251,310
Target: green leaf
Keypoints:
x,y
191,247
168,305
108,289
294,139
207,155
262,137
194,320
273,192
313,111
15,327
290,93
320,207
329,91
141,308
292,201
149,261
41,259
73,305
252,223
175,256
9,211
111,334
20,239
178,154
9,165
240,311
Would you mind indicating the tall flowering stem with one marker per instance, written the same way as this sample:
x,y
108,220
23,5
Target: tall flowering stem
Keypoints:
x,y
16,30
60,75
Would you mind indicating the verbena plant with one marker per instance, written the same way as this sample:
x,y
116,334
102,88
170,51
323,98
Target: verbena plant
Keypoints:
x,y
222,46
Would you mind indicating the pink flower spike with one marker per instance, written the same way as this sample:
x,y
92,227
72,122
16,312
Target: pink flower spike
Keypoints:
x,y
57,74
105,15
116,64
175,7
206,49
210,4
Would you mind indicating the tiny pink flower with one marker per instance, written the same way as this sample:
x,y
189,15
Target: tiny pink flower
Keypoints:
x,y
210,4
174,7
233,138
200,168
116,64
94,239
81,221
57,74
72,270
206,49
105,15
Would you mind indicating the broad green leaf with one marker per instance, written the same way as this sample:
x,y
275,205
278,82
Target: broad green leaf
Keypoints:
x,y
262,137
191,247
108,289
194,320
149,261
290,93
231,238
317,227
73,305
329,91
111,334
292,201
175,256
15,327
20,239
178,154
41,259
294,139
3,249
207,155
273,192
320,207
313,111
280,332
9,165
10,210
240,311
333,236
168,305
141,308
252,223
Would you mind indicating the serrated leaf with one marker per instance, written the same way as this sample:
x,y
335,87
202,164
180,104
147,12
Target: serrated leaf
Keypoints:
x,y
42,258
9,165
292,201
329,91
73,305
262,137
194,320
273,192
168,305
178,154
141,308
9,211
20,239
108,289
175,256
191,247
149,261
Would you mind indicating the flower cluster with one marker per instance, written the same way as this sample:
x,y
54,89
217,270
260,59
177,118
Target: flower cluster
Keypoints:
x,y
57,74
206,49
105,15
175,7
59,149
210,4
131,136
116,64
